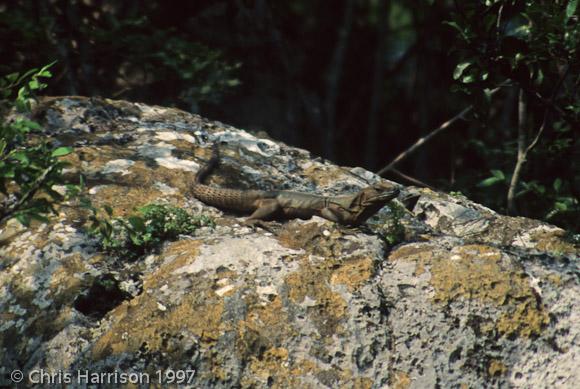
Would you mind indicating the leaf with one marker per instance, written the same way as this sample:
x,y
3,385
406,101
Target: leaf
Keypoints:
x,y
458,28
44,72
468,79
137,223
21,157
39,217
571,8
459,69
34,84
108,209
12,77
29,125
489,182
498,174
59,152
557,184
24,219
560,206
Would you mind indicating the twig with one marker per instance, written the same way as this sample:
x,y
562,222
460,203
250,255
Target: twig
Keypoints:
x,y
523,153
427,137
424,139
413,180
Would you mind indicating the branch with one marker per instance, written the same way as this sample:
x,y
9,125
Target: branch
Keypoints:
x,y
522,151
422,140
428,137
413,180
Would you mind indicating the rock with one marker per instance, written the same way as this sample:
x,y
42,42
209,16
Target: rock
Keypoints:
x,y
470,298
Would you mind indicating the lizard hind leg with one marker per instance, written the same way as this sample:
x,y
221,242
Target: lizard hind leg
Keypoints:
x,y
267,209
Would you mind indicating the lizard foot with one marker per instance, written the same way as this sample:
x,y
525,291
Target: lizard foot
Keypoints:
x,y
271,227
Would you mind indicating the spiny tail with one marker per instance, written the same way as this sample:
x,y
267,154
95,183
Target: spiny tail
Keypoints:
x,y
209,166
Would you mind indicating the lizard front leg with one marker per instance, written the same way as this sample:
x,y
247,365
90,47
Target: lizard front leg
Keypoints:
x,y
336,215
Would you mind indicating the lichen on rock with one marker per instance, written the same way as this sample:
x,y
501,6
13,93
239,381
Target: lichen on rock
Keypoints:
x,y
469,298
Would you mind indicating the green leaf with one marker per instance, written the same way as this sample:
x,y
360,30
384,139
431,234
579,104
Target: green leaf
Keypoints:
x,y
571,8
108,209
137,223
468,79
458,28
498,174
560,206
24,219
38,216
557,184
7,171
459,69
12,77
21,157
44,72
489,182
29,125
34,84
59,152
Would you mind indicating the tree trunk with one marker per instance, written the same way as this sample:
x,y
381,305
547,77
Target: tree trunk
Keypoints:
x,y
334,75
378,84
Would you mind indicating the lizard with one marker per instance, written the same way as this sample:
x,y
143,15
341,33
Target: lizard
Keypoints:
x,y
351,209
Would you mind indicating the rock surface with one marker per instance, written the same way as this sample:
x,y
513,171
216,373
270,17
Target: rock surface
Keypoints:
x,y
468,299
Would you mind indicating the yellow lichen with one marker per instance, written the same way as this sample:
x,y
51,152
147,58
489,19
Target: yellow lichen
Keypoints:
x,y
552,241
496,368
141,321
526,320
353,273
483,273
400,380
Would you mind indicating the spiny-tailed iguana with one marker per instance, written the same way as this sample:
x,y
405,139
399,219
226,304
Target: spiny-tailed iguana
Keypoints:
x,y
353,209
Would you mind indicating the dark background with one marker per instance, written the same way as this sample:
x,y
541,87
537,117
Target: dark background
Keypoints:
x,y
355,81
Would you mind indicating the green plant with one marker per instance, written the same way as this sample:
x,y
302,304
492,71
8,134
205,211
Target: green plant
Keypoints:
x,y
392,231
29,167
131,237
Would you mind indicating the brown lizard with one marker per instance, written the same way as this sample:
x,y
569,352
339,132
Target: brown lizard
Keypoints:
x,y
353,209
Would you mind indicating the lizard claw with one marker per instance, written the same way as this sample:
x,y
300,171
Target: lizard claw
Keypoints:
x,y
255,223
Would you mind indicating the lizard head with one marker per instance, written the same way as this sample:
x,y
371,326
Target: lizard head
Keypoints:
x,y
369,201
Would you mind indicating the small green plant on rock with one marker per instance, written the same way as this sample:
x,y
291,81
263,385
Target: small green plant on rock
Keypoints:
x,y
138,234
392,230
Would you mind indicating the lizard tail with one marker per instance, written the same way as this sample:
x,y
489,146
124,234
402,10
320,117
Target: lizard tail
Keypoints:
x,y
209,166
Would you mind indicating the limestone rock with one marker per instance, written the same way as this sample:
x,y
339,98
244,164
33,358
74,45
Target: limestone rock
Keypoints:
x,y
469,299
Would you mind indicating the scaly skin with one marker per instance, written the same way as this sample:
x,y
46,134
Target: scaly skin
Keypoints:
x,y
353,209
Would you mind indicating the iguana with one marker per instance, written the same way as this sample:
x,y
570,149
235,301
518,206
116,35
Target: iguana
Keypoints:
x,y
353,209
